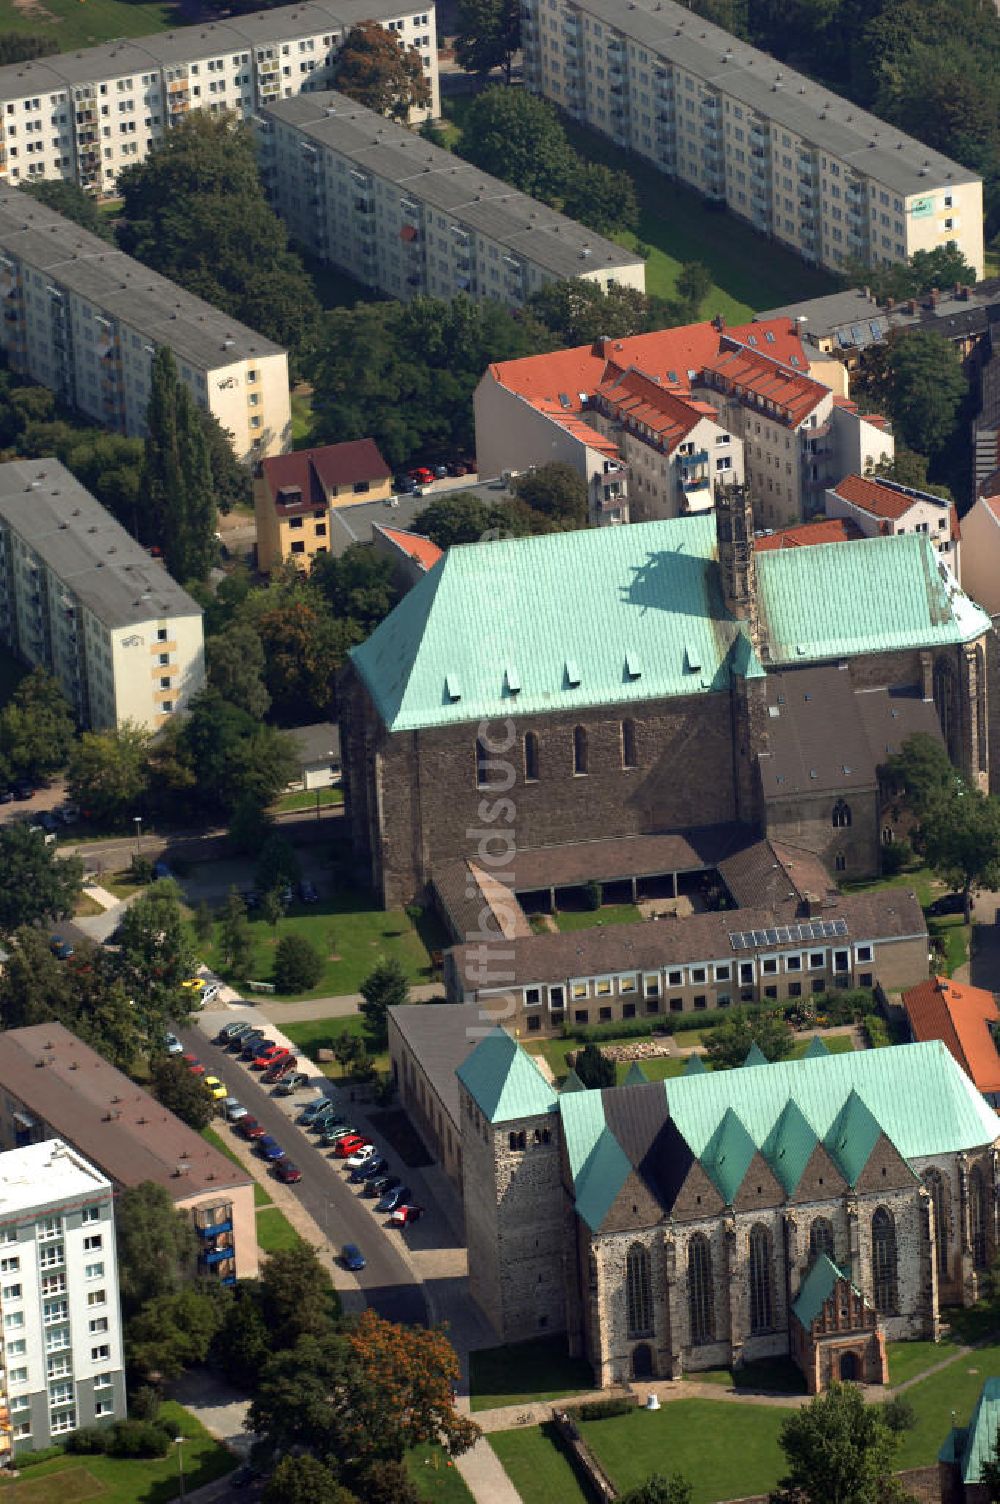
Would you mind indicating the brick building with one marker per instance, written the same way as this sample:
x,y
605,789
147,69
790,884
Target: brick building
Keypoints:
x,y
669,1227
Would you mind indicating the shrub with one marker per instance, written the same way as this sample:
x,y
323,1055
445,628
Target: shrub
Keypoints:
x,y
414,912
895,857
847,1006
141,870
877,1031
605,1409
593,894
144,1403
140,1438
44,1454
298,965
899,1414
91,1441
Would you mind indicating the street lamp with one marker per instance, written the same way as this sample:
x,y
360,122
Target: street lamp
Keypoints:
x,y
179,1443
137,819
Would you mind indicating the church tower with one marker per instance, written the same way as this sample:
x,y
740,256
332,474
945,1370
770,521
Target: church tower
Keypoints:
x,y
734,532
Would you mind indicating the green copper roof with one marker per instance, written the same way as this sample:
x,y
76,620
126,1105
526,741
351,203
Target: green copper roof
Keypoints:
x,y
605,1172
852,1137
592,617
727,1155
695,1066
582,1114
816,1289
876,595
788,1146
817,1049
755,1056
635,1075
504,1081
981,1437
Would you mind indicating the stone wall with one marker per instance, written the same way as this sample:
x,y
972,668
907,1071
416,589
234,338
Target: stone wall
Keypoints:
x,y
808,822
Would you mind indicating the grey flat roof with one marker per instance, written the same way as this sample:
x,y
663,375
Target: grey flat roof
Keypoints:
x,y
113,59
165,313
774,90
441,1035
859,316
91,553
484,203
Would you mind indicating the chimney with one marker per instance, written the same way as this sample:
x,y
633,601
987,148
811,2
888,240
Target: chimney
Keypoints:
x,y
911,306
719,324
935,297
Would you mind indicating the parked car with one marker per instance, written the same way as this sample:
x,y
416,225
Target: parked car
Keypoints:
x,y
328,1117
47,835
23,789
309,1111
210,993
49,821
69,814
262,1060
421,475
458,467
440,471
244,1040
6,795
362,1155
308,892
290,1084
194,984
255,1044
250,1128
216,1089
398,1196
280,1068
370,1170
229,1033
270,1148
287,1173
348,1145
172,1044
337,1131
60,948
404,486
379,1184
234,1110
161,871
405,1214
352,1258
948,903
193,1064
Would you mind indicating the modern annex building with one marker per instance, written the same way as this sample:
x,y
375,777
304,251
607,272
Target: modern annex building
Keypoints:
x,y
82,599
63,1363
86,320
411,219
87,115
815,171
815,1207
544,704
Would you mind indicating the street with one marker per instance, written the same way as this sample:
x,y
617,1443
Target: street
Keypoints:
x,y
336,1207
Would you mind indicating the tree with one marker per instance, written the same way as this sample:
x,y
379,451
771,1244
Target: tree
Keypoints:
x,y
181,1093
594,1068
278,865
658,1489
377,70
87,997
989,1472
15,47
580,312
908,468
235,941
203,922
838,1450
926,389
35,883
298,965
385,987
922,770
272,907
358,585
602,198
304,1480
244,1342
36,727
155,955
346,1048
487,34
694,283
173,1332
943,267
234,663
729,1043
296,1296
155,1242
232,481
518,137
960,839
176,475
460,517
556,490
109,772
68,199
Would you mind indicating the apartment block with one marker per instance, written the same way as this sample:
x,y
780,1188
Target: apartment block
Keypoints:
x,y
87,115
412,220
52,1085
86,321
82,599
814,171
63,1366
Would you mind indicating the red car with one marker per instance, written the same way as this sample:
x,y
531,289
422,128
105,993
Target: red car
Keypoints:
x,y
250,1128
270,1057
421,475
193,1064
287,1173
405,1214
349,1145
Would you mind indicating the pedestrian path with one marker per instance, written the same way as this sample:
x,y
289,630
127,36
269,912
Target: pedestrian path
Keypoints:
x,y
334,1007
101,895
485,1477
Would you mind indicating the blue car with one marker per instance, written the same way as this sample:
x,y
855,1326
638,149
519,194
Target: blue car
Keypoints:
x,y
161,871
368,1171
270,1148
60,948
398,1196
352,1258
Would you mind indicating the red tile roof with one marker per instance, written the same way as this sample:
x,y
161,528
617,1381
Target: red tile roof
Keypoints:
x,y
828,530
315,472
960,1017
741,370
415,545
632,395
889,502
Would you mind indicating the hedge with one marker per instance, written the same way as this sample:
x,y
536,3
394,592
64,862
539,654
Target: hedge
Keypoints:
x,y
605,1409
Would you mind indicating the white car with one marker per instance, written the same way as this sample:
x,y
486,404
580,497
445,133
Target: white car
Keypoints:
x,y
209,994
364,1154
171,1042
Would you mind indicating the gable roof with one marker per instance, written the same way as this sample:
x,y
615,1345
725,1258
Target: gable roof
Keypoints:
x,y
727,1155
816,1289
884,498
802,534
960,1016
789,1145
852,1137
333,465
637,398
791,395
504,1081
414,545
979,1442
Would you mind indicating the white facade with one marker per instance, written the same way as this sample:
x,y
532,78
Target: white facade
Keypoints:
x,y
412,220
87,115
63,1366
86,321
82,599
817,173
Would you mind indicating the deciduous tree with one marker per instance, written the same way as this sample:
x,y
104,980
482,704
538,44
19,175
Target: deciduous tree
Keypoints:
x,y
298,965
960,838
156,1243
155,955
729,1043
487,34
234,662
109,773
173,1332
36,727
297,1298
35,882
181,1093
68,199
177,476
379,71
556,490
660,1490
926,389
385,987
305,1480
838,1450
235,941
518,137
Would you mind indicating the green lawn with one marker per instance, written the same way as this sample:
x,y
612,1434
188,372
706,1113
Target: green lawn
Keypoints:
x,y
302,421
317,1034
585,919
770,1375
217,1142
907,1359
68,1479
537,1370
84,23
436,1476
953,934
661,1068
837,1044
274,1231
537,1466
933,1399
351,933
308,798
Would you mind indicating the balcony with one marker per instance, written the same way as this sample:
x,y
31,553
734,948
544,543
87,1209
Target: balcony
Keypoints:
x,y
699,457
216,1256
216,1229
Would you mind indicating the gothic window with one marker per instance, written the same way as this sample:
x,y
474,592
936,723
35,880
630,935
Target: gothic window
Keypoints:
x,y
638,1291
885,1270
840,862
977,1219
761,1287
530,757
518,1141
841,815
629,758
580,750
934,1181
821,1239
482,766
701,1304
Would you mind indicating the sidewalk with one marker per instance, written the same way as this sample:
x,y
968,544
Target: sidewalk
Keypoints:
x,y
485,1477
